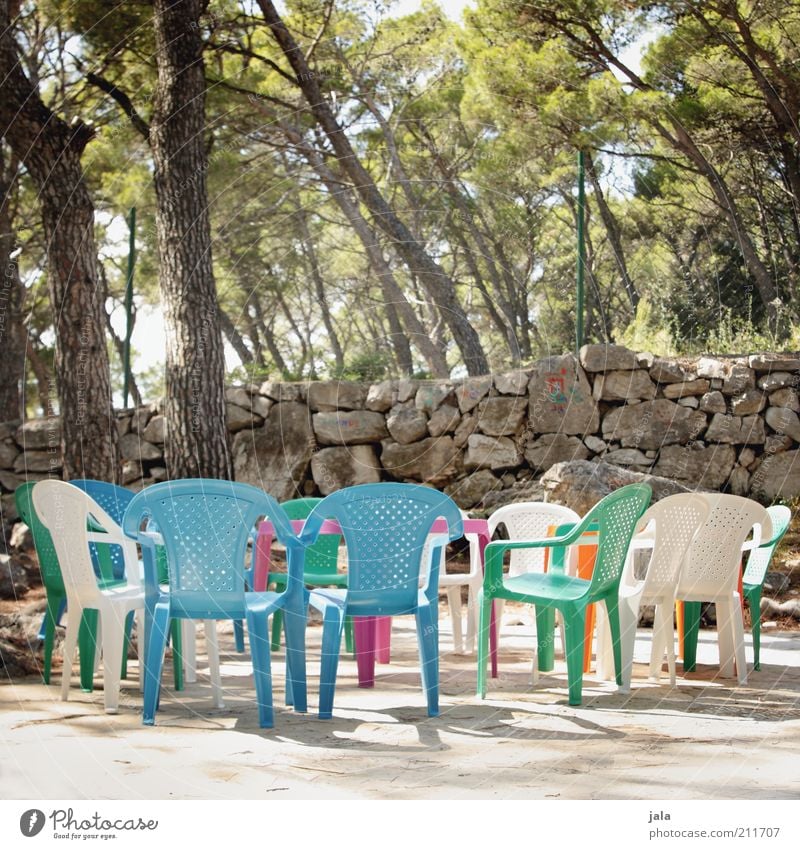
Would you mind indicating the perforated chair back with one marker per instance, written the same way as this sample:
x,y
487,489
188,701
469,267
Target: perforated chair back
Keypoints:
x,y
322,557
45,548
759,559
114,500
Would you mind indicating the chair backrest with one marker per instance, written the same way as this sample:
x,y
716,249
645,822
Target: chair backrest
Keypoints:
x,y
385,527
759,560
673,523
205,526
67,512
712,561
45,548
322,557
529,520
114,500
615,517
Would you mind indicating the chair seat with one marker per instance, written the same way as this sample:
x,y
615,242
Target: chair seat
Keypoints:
x,y
338,580
548,587
200,606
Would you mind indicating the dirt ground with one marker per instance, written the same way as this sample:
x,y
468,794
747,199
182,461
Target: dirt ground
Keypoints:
x,y
706,738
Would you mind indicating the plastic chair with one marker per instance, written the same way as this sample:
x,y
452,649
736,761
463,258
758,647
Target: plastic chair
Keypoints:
x,y
757,565
205,526
615,517
321,567
385,527
710,573
669,527
67,512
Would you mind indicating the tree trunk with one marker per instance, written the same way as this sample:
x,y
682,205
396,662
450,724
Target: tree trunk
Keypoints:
x,y
436,280
235,338
42,375
197,443
51,151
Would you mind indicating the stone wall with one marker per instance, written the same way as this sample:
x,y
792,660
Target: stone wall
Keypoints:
x,y
710,422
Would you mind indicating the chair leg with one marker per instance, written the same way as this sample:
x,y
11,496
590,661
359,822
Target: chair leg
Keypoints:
x,y
258,634
177,653
189,637
70,642
128,630
428,638
88,646
628,620
612,614
154,661
296,687
484,622
49,628
277,627
472,615
454,603
349,641
730,636
364,628
691,632
753,596
383,639
113,646
574,632
605,670
545,631
738,640
331,646
139,615
212,650
238,635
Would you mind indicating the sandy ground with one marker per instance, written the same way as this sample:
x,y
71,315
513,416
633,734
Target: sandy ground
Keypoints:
x,y
707,738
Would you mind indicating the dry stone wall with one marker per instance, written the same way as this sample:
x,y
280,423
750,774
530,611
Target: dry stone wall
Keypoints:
x,y
727,423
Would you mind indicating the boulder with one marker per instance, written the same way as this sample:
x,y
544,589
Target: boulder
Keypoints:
x,y
324,394
471,490
512,382
13,578
651,424
133,447
749,402
276,457
607,358
380,396
444,420
627,457
466,427
739,481
8,453
285,392
407,424
433,460
713,402
351,428
501,415
773,362
580,484
430,396
736,430
470,393
740,379
706,467
622,385
406,389
156,429
237,418
595,444
784,421
561,398
490,452
260,406
552,448
238,395
38,434
38,461
338,467
670,371
711,367
690,387
778,476
776,380
785,398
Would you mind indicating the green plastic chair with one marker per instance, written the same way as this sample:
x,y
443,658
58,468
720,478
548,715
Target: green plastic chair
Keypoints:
x,y
320,568
756,571
616,517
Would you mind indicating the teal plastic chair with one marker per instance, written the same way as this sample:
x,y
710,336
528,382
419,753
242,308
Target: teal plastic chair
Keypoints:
x,y
385,527
615,517
320,570
205,526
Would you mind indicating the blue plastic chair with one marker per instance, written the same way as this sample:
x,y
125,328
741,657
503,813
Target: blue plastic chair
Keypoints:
x,y
205,526
385,527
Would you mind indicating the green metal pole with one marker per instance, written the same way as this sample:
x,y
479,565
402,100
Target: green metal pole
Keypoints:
x,y
126,348
581,251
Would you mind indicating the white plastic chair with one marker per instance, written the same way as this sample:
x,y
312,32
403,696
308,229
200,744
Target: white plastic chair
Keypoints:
x,y
668,528
65,510
711,570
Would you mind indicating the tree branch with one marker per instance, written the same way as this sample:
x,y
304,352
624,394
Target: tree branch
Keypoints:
x,y
123,101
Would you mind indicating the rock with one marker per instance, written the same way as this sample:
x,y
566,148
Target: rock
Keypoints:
x,y
39,433
13,578
525,490
406,390
284,392
338,467
467,426
238,395
645,359
501,415
123,425
132,447
407,425
470,393
158,473
433,460
651,424
237,418
277,456
785,398
711,367
8,453
380,396
260,406
512,382
358,426
21,538
561,398
156,429
784,421
336,393
141,415
552,448
773,362
713,402
777,442
750,401
430,396
38,461
690,401
740,379
776,583
487,452
690,387
594,444
444,420
746,457
670,371
470,491
8,429
736,430
622,385
778,476
776,380
771,609
607,358
8,510
739,481
627,457
580,484
131,471
707,467
10,481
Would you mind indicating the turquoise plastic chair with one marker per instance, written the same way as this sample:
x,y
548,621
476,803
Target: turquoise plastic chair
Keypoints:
x,y
205,526
320,570
615,517
385,527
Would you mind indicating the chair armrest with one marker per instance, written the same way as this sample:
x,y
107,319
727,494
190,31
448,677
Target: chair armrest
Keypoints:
x,y
494,551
